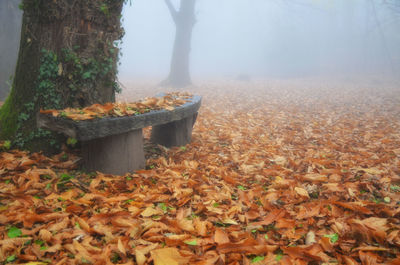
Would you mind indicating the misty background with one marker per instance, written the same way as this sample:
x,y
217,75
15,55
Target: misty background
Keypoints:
x,y
257,38
267,38
10,28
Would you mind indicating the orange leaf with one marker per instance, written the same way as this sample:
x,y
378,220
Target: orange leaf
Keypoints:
x,y
220,237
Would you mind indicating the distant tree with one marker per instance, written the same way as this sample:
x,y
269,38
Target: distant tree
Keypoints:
x,y
394,5
10,31
67,58
184,20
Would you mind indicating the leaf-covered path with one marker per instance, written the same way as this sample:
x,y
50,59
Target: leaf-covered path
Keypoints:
x,y
277,173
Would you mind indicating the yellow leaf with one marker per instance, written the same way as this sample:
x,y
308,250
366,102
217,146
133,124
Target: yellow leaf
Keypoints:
x,y
34,263
280,160
140,257
140,253
121,247
229,221
186,225
150,211
372,170
302,192
167,256
215,210
60,69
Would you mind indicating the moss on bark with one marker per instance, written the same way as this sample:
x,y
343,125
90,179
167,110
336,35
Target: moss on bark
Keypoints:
x,y
8,119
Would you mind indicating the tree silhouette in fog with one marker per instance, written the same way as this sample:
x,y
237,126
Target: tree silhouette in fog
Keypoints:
x,y
184,20
10,26
393,5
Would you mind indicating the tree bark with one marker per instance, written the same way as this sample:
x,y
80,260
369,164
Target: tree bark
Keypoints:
x,y
10,31
67,58
184,19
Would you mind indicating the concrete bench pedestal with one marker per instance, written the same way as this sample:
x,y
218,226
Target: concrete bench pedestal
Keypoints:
x,y
114,154
176,133
114,145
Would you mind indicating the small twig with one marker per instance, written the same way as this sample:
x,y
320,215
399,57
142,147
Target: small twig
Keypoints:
x,y
77,183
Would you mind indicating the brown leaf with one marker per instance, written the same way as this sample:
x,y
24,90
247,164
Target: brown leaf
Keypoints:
x,y
168,256
314,177
220,237
150,211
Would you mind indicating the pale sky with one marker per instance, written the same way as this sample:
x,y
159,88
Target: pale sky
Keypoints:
x,y
264,38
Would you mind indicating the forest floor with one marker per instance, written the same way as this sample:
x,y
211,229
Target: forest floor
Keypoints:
x,y
278,172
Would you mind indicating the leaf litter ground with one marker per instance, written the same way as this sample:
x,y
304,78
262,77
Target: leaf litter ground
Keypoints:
x,y
278,172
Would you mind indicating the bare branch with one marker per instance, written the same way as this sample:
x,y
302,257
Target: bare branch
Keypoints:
x,y
172,10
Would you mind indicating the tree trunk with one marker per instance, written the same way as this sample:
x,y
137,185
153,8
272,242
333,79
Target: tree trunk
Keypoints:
x,y
67,58
179,75
10,31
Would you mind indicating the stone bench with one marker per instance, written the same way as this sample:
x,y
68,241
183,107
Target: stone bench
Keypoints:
x,y
114,145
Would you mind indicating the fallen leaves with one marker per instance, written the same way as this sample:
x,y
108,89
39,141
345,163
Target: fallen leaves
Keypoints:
x,y
168,102
272,176
314,177
302,192
168,256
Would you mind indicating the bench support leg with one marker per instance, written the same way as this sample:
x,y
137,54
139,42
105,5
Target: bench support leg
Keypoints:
x,y
176,133
116,154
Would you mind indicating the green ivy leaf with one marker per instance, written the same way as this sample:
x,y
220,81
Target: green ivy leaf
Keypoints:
x,y
65,177
333,237
278,257
191,243
7,145
162,206
39,242
86,75
43,247
240,187
11,258
257,259
129,201
395,188
71,141
14,232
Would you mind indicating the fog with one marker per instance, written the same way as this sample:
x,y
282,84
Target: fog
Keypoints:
x,y
10,26
266,38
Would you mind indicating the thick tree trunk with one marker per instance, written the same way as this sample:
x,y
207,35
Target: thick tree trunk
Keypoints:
x,y
179,75
67,58
10,31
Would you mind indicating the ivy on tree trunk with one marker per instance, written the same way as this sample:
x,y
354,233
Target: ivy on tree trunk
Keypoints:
x,y
67,58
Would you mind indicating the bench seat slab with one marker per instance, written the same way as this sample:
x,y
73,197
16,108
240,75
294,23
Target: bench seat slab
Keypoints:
x,y
106,126
114,145
115,154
